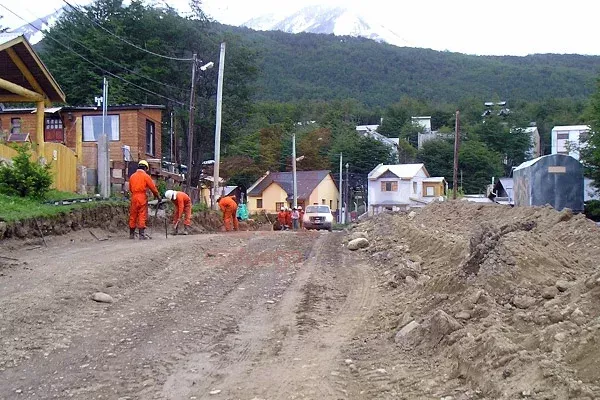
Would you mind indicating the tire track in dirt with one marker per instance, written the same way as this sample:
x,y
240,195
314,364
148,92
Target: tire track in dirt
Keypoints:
x,y
280,355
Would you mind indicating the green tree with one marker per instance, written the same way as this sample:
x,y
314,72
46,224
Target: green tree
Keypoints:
x,y
478,164
590,153
438,157
504,138
363,154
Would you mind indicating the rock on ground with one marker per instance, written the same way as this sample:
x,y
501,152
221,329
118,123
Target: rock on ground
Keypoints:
x,y
359,243
102,297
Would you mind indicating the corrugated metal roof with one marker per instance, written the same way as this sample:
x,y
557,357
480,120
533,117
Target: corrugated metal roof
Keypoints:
x,y
307,182
531,162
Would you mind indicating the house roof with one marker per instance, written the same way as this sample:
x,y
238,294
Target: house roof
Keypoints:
x,y
507,183
531,162
405,171
571,128
307,181
52,110
16,54
435,179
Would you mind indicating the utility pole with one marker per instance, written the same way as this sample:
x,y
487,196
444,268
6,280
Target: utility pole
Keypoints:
x,y
218,126
346,195
294,177
171,140
340,191
191,125
103,148
456,146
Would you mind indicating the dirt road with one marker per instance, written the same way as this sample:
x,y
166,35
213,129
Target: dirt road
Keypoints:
x,y
252,315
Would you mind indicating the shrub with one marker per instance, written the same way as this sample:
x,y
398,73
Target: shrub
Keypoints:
x,y
592,210
25,178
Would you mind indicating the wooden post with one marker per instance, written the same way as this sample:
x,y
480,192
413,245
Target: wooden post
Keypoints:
x,y
79,140
21,91
456,146
39,134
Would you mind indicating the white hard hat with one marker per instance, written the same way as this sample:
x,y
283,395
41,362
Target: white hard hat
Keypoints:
x,y
299,207
170,194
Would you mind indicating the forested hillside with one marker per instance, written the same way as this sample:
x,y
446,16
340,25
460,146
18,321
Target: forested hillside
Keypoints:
x,y
325,67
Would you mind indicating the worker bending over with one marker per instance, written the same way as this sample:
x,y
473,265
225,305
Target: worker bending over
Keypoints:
x,y
228,206
183,207
139,183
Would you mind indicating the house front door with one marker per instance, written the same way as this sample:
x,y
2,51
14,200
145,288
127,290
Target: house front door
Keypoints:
x,y
53,130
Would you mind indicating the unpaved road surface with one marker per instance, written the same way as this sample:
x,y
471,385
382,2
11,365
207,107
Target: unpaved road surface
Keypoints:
x,y
249,315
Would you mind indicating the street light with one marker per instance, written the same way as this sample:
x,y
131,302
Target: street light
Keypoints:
x,y
191,119
346,196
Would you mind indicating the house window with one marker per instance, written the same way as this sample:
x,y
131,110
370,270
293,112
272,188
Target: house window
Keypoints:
x,y
92,127
415,187
279,206
562,136
429,191
389,186
150,147
15,125
259,203
330,204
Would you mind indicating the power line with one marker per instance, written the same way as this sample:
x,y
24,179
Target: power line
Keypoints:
x,y
121,65
90,62
123,39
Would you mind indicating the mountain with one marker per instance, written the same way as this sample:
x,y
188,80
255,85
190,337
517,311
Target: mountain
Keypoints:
x,y
34,35
340,21
307,66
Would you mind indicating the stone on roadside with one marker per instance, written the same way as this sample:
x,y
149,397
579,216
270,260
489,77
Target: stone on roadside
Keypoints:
x,y
562,285
102,297
560,337
213,392
407,332
359,243
550,292
523,302
357,235
464,315
411,215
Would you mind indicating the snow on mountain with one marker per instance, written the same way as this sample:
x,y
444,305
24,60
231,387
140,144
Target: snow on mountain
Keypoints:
x,y
34,35
341,21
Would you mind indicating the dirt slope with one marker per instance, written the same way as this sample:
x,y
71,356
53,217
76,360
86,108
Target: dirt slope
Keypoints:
x,y
505,303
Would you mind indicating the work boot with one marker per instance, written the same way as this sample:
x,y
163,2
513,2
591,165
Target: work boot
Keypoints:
x,y
185,230
142,234
131,233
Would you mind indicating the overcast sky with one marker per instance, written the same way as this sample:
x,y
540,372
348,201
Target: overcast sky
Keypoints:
x,y
514,27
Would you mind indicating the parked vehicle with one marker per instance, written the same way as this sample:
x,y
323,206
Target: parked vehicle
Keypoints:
x,y
318,217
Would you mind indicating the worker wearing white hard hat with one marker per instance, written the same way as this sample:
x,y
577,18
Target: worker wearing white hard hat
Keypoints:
x,y
183,207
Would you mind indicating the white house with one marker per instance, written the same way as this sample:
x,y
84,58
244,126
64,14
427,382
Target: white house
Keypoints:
x,y
400,187
569,139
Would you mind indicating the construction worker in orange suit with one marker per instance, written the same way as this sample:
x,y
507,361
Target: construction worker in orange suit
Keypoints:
x,y
139,183
183,207
228,206
288,218
281,218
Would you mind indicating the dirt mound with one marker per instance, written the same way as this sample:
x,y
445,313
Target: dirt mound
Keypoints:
x,y
505,301
109,217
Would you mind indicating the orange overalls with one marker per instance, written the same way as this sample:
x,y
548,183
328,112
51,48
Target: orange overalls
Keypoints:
x,y
288,218
139,183
281,219
183,204
229,208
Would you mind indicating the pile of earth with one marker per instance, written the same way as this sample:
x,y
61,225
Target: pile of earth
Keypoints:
x,y
504,302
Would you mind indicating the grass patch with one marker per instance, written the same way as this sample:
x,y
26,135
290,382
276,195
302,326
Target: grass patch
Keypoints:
x,y
56,195
18,208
